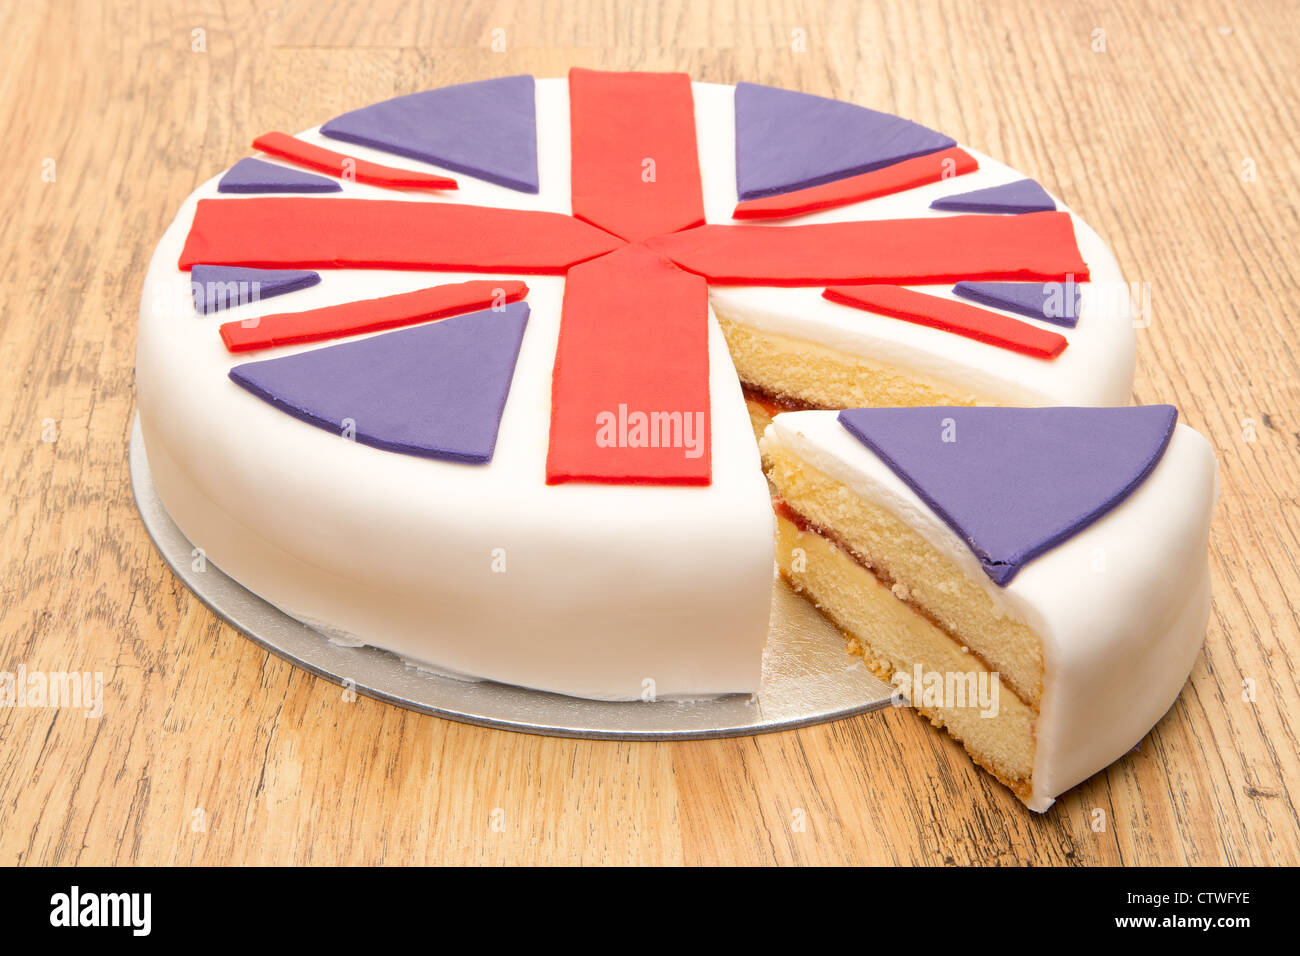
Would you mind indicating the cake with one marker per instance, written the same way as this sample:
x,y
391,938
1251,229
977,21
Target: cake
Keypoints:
x,y
473,375
1034,580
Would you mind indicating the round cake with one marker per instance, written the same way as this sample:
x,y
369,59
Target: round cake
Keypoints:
x,y
499,418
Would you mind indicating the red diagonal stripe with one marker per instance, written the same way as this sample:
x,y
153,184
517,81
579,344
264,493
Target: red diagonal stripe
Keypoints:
x,y
274,232
370,315
1037,246
342,166
635,164
908,174
955,317
633,342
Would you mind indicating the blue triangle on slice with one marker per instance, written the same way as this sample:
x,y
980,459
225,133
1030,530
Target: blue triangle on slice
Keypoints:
x,y
224,287
258,176
787,140
1055,302
1022,196
486,129
436,390
1013,483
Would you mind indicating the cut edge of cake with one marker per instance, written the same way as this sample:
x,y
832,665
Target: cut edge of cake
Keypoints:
x,y
1085,663
779,373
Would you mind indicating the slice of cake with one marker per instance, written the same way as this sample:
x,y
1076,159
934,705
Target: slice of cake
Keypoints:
x,y
1035,581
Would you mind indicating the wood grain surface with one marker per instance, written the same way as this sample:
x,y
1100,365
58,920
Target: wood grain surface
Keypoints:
x,y
1172,132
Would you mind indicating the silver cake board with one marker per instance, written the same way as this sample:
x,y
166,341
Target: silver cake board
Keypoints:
x,y
808,677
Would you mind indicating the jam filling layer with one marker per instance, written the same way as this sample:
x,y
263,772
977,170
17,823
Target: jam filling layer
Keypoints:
x,y
899,590
774,403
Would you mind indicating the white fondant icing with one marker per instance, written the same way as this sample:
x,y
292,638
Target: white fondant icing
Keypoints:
x,y
1121,607
609,591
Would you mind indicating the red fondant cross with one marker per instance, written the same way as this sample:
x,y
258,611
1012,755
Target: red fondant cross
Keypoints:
x,y
630,390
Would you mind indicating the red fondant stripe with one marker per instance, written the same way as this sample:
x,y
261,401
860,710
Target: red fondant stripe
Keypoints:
x,y
630,392
341,166
369,315
275,232
908,174
955,317
635,164
1037,246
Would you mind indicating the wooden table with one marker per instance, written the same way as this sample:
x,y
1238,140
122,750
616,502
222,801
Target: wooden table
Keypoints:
x,y
1172,132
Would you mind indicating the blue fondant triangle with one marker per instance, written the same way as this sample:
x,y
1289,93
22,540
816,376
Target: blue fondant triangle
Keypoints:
x,y
486,129
224,287
435,390
1022,196
258,176
1014,483
787,140
1056,302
